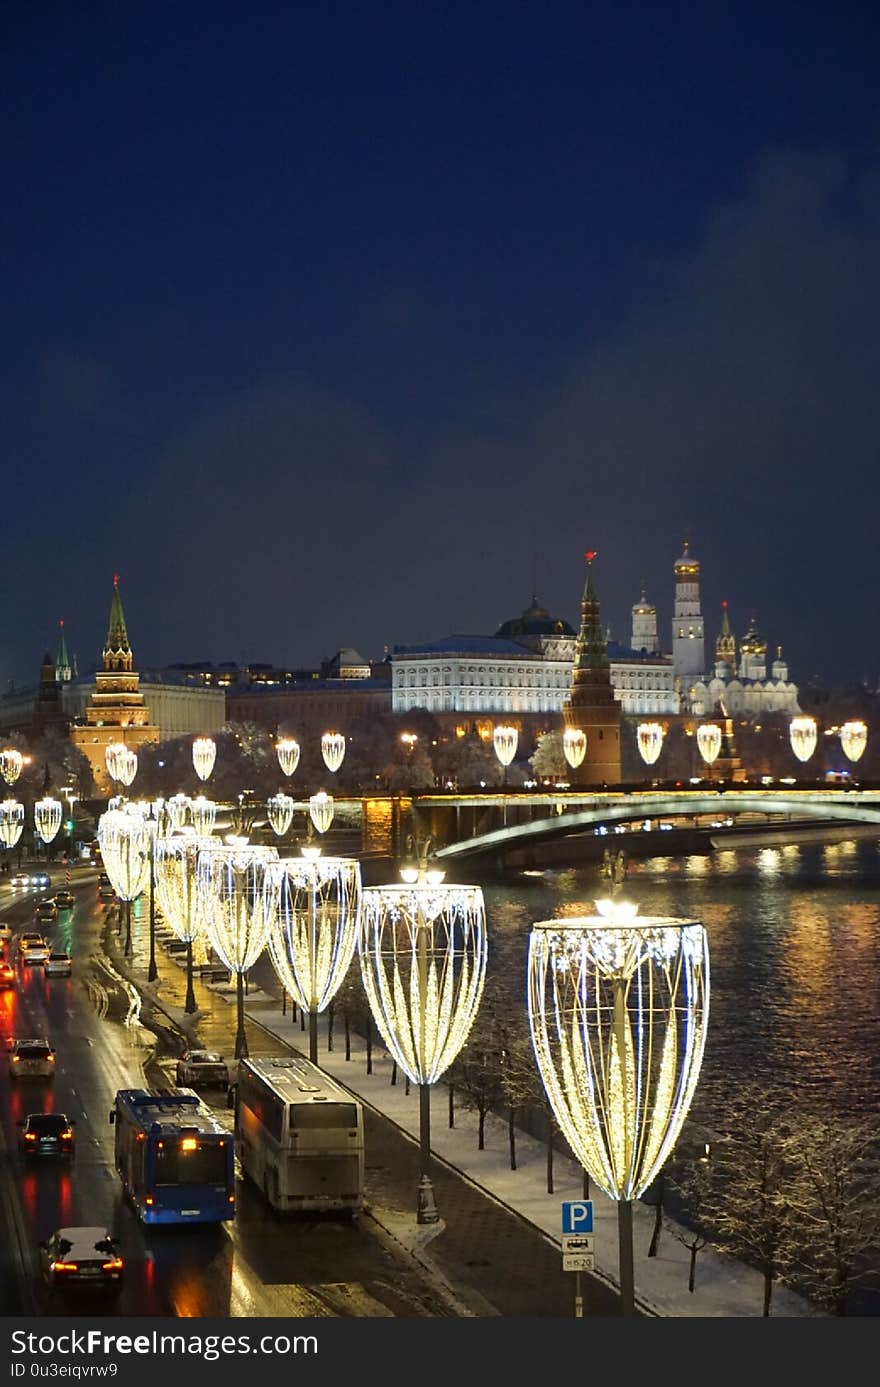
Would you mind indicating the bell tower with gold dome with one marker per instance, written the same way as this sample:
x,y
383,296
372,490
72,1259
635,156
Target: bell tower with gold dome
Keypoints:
x,y
116,711
688,645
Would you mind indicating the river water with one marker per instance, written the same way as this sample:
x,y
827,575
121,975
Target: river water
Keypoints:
x,y
794,946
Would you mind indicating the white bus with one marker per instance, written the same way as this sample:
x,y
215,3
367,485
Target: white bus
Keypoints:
x,y
299,1136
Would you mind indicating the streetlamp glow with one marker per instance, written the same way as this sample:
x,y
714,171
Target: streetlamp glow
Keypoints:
x,y
802,734
314,908
333,750
505,740
11,762
853,739
574,746
11,822
618,1009
231,881
47,817
178,807
280,811
203,813
709,741
649,736
288,755
321,810
176,860
124,840
204,754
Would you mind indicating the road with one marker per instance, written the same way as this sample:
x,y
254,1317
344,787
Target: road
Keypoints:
x,y
259,1265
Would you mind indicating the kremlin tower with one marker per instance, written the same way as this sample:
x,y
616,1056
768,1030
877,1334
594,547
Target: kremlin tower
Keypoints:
x,y
725,648
644,626
688,653
591,705
116,711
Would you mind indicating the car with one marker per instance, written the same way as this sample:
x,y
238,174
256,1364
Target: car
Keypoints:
x,y
29,938
21,881
82,1258
103,879
46,910
31,1059
202,1067
106,892
40,881
36,951
7,975
64,900
58,965
46,1134
5,933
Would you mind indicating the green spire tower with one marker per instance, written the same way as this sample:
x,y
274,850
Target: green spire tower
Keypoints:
x,y
591,705
62,659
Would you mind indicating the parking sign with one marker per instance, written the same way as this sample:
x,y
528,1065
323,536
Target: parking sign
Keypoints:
x,y
577,1216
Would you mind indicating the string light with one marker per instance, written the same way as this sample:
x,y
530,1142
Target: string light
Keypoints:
x,y
11,822
47,818
618,1010
124,840
279,809
11,762
853,739
333,750
423,951
802,735
709,741
314,908
178,807
177,890
203,813
321,811
649,736
505,740
204,754
230,882
288,755
574,746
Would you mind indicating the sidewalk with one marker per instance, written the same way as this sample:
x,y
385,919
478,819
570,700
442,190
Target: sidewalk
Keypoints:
x,y
723,1287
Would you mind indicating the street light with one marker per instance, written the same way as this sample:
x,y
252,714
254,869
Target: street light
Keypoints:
x,y
121,762
176,860
649,736
574,746
178,808
709,741
124,839
231,880
423,952
288,755
321,810
314,906
853,739
618,1008
47,818
279,809
802,734
333,750
203,813
11,822
11,762
204,753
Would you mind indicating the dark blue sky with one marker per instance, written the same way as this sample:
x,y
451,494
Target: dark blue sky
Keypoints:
x,y
332,324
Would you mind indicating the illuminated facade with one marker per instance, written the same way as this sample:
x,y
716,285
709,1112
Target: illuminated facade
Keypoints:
x,y
688,645
741,685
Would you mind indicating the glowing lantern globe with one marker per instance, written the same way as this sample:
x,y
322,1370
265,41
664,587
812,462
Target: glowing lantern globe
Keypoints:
x,y
505,740
321,811
176,860
853,739
649,736
709,741
203,813
802,735
333,750
288,755
121,762
11,762
47,818
574,745
204,754
11,822
315,913
280,811
178,808
124,837
231,884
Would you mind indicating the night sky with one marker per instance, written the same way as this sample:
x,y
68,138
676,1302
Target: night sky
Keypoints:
x,y
351,325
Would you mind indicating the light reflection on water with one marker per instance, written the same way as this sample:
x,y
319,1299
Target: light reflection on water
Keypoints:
x,y
794,943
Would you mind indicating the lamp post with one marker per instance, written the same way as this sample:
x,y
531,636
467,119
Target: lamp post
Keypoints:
x,y
287,751
853,739
618,1008
279,809
124,839
802,734
649,736
423,952
574,746
176,861
231,885
157,820
203,813
505,740
321,811
11,762
11,822
314,905
709,741
204,753
47,818
333,750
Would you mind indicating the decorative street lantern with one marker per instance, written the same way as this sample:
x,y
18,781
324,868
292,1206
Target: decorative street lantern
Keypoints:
x,y
288,755
280,811
314,913
11,762
574,745
709,741
321,811
124,840
650,739
231,884
178,807
423,951
618,1008
121,762
802,735
203,813
853,739
47,818
11,822
505,740
204,754
333,750
111,754
179,900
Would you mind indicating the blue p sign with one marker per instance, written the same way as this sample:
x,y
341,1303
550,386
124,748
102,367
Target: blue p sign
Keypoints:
x,y
577,1216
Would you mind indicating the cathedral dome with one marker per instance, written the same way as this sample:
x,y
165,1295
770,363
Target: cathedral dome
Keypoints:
x,y
687,565
535,621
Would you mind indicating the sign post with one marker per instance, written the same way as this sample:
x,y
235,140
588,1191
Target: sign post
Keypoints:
x,y
578,1252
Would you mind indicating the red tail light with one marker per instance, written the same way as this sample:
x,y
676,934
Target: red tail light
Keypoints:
x,y
67,1136
115,1265
30,1136
65,1266
149,1201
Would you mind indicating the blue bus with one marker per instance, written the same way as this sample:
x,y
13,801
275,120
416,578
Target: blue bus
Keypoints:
x,y
175,1160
